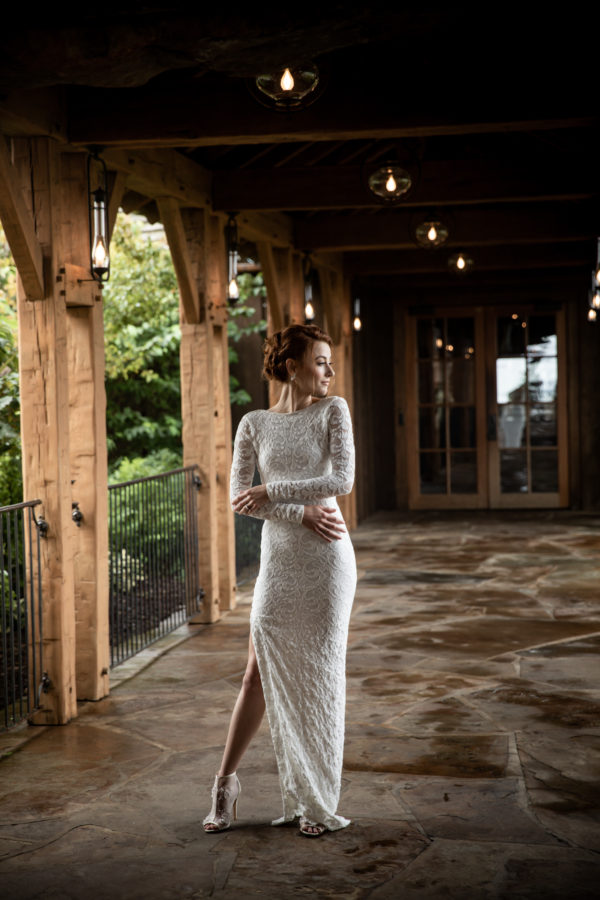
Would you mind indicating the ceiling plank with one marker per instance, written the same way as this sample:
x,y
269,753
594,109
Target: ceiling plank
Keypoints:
x,y
430,262
439,183
471,227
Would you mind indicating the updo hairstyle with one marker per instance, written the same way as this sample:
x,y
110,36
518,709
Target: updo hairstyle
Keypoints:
x,y
291,343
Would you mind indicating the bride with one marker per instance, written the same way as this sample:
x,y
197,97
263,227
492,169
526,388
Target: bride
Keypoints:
x,y
304,451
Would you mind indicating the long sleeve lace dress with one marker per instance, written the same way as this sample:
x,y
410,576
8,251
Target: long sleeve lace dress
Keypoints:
x,y
303,596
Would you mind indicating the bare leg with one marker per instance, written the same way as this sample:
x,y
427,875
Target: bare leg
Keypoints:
x,y
246,717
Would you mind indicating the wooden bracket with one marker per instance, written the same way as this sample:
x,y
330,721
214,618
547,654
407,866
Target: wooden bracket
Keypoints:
x,y
19,228
273,283
170,216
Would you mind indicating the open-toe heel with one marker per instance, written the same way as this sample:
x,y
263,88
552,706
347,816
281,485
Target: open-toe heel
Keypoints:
x,y
225,795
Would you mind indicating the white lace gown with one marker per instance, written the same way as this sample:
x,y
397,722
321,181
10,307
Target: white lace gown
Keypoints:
x,y
303,596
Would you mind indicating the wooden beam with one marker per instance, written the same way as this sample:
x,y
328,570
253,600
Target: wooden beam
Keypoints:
x,y
274,228
437,183
471,227
170,216
117,190
162,173
19,228
191,116
507,258
34,113
273,284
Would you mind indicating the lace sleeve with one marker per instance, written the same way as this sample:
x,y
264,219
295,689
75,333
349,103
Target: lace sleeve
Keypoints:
x,y
242,475
341,478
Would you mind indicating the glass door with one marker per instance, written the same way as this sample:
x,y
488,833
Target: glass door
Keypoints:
x,y
527,414
447,468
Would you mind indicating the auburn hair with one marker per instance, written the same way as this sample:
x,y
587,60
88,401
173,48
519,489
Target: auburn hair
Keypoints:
x,y
291,343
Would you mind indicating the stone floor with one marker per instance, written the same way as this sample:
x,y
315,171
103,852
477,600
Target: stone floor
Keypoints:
x,y
472,764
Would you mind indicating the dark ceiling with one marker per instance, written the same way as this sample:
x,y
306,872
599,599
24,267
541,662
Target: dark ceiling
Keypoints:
x,y
493,111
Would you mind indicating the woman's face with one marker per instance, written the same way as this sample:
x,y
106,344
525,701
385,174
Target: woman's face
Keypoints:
x,y
314,371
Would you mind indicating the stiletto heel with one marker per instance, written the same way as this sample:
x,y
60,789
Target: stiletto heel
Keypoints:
x,y
225,793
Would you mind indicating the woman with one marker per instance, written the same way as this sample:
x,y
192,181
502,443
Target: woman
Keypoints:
x,y
305,588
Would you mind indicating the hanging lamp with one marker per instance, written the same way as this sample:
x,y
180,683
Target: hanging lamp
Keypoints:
x,y
431,232
309,277
460,263
357,321
97,178
289,88
231,243
389,182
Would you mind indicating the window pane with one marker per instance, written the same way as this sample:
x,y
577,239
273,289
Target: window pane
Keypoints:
x,y
542,426
432,428
431,382
513,471
461,381
544,471
461,337
462,426
463,473
511,336
511,380
542,336
543,376
430,338
512,420
433,473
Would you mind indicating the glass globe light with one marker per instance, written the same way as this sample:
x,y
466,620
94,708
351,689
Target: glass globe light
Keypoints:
x,y
390,182
289,88
431,233
460,262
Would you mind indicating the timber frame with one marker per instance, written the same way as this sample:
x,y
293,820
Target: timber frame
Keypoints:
x,y
510,167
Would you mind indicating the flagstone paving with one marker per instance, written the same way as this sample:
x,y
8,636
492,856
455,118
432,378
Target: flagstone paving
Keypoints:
x,y
472,759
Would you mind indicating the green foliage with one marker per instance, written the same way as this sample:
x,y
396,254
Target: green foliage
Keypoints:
x,y
252,292
11,488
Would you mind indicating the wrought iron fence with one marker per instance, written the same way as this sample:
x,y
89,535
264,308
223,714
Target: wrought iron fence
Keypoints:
x,y
247,547
21,660
153,553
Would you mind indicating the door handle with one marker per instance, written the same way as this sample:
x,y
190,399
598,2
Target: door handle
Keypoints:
x,y
492,432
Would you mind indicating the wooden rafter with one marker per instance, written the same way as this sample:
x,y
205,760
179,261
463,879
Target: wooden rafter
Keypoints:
x,y
19,228
170,216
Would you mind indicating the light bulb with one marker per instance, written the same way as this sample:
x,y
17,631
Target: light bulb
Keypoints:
x,y
390,184
471,350
100,256
592,315
432,234
439,343
287,81
450,348
233,291
523,324
515,316
596,300
460,262
357,324
597,275
309,311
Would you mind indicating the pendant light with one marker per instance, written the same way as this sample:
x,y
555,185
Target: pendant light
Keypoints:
x,y
289,88
231,243
594,295
390,182
309,275
357,322
460,263
431,232
97,178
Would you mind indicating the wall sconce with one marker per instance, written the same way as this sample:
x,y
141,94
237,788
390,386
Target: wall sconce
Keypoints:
x,y
97,178
594,295
431,233
288,89
460,263
309,274
357,323
231,242
390,182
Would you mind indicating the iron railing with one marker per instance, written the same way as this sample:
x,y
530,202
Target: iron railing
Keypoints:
x,y
247,547
153,558
21,659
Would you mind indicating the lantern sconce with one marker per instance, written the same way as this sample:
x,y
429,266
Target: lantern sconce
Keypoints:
x,y
431,232
357,322
231,242
97,178
288,89
309,275
460,263
594,295
389,182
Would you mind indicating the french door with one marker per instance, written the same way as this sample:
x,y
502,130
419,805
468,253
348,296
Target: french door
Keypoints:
x,y
486,417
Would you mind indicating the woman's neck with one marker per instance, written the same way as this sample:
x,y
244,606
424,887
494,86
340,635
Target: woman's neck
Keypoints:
x,y
291,400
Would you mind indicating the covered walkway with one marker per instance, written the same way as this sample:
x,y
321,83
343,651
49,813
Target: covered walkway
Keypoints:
x,y
471,768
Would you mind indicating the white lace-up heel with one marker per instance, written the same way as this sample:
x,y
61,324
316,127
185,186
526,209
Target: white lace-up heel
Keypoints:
x,y
225,793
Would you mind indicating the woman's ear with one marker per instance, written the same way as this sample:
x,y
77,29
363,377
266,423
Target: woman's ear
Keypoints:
x,y
291,367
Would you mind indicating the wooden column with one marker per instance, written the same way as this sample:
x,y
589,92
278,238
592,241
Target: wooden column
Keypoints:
x,y
44,379
197,247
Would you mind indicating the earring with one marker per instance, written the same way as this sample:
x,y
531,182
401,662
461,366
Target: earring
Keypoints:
x,y
293,377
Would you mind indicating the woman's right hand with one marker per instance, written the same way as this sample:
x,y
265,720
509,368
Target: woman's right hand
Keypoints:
x,y
325,522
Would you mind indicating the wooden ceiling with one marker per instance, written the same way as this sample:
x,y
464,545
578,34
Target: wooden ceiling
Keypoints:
x,y
494,116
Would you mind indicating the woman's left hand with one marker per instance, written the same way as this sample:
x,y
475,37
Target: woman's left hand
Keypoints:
x,y
251,500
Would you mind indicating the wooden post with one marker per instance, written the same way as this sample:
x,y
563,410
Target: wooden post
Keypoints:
x,y
44,380
197,245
